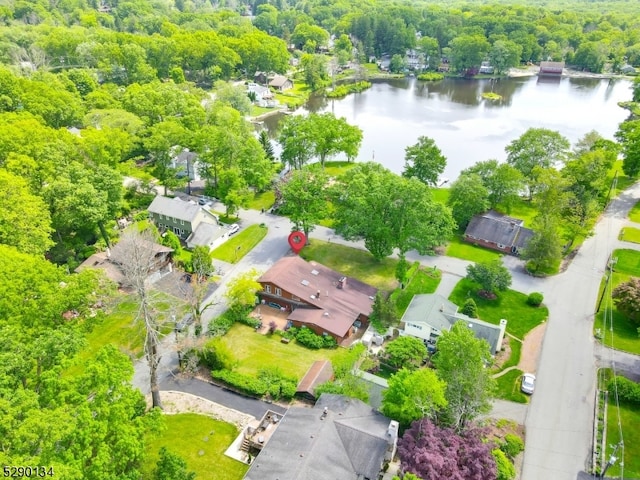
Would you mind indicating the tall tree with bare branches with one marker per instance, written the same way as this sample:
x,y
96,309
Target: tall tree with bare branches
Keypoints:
x,y
137,260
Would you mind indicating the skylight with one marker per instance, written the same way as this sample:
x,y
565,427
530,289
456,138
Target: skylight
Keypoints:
x,y
314,272
305,283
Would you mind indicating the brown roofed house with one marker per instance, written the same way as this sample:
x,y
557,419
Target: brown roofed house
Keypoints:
x,y
551,68
318,373
281,83
319,298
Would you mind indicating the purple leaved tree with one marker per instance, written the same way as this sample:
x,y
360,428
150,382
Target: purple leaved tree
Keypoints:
x,y
433,453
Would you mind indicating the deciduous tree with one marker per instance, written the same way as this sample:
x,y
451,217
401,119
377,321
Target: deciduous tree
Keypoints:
x,y
544,249
467,197
305,198
241,291
413,395
492,276
628,135
502,181
424,161
461,362
434,453
171,466
627,298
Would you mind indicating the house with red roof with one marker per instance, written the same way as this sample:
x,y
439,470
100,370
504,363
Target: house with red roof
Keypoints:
x,y
317,297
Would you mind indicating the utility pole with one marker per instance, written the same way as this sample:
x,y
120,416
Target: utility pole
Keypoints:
x,y
612,459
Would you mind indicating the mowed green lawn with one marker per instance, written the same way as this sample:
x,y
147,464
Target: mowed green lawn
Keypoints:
x,y
624,335
630,234
627,261
634,214
201,441
353,262
510,305
254,351
630,419
508,387
458,248
240,244
263,200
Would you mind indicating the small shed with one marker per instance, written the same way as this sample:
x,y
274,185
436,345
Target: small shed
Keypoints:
x,y
320,372
281,83
551,68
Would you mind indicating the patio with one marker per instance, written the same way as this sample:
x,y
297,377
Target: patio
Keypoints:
x,y
266,315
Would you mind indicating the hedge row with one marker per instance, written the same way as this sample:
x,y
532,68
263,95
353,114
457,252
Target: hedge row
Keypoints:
x,y
276,386
628,391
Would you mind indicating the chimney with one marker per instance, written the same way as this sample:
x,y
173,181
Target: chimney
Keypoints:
x,y
392,440
342,283
318,294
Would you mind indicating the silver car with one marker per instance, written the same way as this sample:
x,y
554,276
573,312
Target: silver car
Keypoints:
x,y
528,383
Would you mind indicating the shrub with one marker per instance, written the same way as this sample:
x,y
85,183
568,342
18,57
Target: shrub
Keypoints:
x,y
216,355
329,342
504,468
430,77
512,445
241,382
628,391
470,308
535,299
221,325
309,339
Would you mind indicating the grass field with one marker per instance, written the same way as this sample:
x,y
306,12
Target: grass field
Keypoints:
x,y
634,214
335,169
201,441
424,281
624,335
630,419
628,261
262,200
508,387
630,234
255,351
240,244
514,358
458,248
510,305
353,262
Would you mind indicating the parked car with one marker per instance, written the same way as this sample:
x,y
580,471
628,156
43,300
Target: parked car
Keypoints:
x,y
528,383
234,228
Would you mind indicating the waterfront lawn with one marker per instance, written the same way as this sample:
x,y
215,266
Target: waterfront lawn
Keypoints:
x,y
630,419
254,352
628,261
240,244
262,200
629,234
508,387
625,334
510,305
353,262
333,169
424,281
458,248
201,442
634,214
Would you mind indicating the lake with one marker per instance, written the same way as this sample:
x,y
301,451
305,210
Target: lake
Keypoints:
x,y
467,128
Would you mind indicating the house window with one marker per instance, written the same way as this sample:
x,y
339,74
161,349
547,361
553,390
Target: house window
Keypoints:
x,y
160,226
181,222
278,292
267,288
182,232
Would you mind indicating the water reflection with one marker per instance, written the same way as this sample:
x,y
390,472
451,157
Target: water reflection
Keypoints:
x,y
466,127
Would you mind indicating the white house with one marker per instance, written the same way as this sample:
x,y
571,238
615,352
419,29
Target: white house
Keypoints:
x,y
429,315
186,163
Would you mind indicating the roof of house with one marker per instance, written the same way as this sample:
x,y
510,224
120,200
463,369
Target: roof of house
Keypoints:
x,y
205,233
439,313
348,443
174,208
335,309
279,81
551,64
431,309
320,372
501,229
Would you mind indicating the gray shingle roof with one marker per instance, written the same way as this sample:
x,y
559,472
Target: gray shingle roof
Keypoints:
x,y
174,208
499,229
205,233
349,444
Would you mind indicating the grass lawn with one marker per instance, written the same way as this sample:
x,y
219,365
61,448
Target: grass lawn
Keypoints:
x,y
256,111
514,358
522,209
630,419
240,244
508,387
458,248
334,169
184,257
628,261
255,351
188,434
625,334
630,234
510,305
424,281
263,200
634,214
623,183
353,262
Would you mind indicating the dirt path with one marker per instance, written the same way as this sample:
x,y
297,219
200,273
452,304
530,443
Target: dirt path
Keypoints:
x,y
531,349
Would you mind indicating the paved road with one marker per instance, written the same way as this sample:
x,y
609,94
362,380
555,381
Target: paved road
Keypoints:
x,y
222,396
560,418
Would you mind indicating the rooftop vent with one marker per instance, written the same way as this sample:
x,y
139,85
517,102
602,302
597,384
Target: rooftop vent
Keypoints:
x,y
305,283
342,282
314,272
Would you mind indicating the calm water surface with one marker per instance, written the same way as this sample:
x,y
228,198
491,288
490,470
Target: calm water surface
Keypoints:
x,y
393,114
